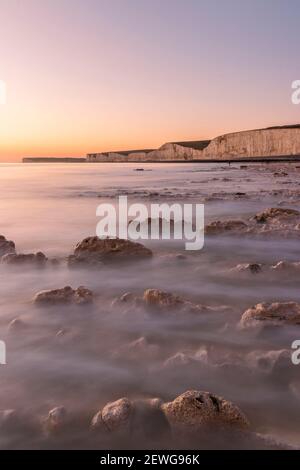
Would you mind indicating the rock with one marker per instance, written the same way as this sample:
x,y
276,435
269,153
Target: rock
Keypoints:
x,y
17,324
97,251
253,268
276,363
35,259
155,298
8,419
285,313
275,212
6,246
127,298
115,416
66,295
286,266
56,419
195,411
221,227
179,359
137,350
132,419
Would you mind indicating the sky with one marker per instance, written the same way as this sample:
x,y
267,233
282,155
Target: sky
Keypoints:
x,y
96,75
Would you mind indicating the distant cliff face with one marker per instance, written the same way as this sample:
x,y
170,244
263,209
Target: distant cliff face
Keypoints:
x,y
271,142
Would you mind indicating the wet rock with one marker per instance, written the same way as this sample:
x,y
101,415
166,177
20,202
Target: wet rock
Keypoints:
x,y
253,268
56,419
286,267
66,295
196,410
155,298
140,348
8,419
115,416
275,212
178,360
6,246
17,324
96,251
221,227
34,259
276,363
264,314
132,419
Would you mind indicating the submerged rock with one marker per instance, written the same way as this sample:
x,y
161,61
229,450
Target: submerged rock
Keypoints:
x,y
56,419
140,349
35,259
272,222
8,418
286,267
66,295
285,313
132,419
275,212
155,298
276,363
220,227
253,268
6,246
98,251
194,410
17,324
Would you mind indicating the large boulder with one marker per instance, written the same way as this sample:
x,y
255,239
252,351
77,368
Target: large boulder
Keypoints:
x,y
66,295
195,411
265,314
35,259
6,246
95,251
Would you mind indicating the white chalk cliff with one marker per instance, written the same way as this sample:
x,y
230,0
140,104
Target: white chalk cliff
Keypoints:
x,y
269,142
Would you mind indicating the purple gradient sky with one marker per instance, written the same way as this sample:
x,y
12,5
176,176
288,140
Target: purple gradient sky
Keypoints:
x,y
93,75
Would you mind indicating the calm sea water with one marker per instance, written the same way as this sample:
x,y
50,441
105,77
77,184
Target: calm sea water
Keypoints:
x,y
51,207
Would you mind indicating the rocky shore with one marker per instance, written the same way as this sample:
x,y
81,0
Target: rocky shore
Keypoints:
x,y
121,344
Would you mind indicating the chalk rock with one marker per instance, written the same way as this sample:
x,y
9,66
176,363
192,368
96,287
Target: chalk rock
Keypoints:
x,y
194,410
285,313
66,295
97,251
34,259
6,246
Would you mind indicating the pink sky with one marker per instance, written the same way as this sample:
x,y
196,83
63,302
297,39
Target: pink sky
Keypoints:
x,y
96,75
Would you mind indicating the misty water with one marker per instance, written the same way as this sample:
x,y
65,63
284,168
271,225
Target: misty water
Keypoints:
x,y
95,359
